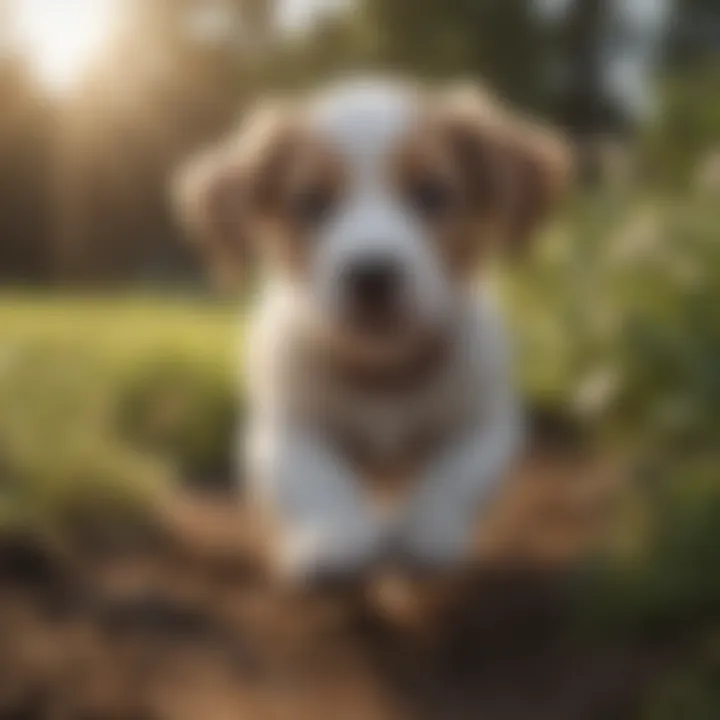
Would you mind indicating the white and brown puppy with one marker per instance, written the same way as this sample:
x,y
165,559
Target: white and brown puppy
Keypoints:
x,y
367,206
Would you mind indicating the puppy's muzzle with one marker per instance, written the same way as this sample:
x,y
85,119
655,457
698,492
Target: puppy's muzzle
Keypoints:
x,y
373,288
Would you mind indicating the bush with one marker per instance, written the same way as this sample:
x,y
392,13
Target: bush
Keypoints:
x,y
618,321
618,315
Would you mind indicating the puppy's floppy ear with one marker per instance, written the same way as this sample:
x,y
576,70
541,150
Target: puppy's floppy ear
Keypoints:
x,y
220,194
518,169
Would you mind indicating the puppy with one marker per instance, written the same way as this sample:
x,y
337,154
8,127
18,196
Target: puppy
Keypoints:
x,y
374,350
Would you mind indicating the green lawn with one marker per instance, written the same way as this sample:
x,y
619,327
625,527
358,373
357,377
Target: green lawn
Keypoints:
x,y
102,399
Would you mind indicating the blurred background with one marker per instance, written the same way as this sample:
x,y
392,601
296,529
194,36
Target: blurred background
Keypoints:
x,y
125,590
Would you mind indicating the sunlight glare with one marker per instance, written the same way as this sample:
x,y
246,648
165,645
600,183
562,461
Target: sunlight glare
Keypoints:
x,y
61,37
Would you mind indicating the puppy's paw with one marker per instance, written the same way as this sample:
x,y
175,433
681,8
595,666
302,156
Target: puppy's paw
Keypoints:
x,y
321,555
434,542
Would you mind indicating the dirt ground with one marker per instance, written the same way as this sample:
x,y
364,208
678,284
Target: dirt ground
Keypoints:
x,y
187,629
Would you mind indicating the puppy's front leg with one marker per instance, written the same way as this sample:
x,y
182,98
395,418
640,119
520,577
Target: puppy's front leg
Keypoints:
x,y
325,527
439,528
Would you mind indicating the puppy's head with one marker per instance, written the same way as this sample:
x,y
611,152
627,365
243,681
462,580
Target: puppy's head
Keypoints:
x,y
375,198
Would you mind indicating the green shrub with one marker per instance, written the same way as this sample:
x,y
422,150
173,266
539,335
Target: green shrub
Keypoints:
x,y
182,408
692,691
686,128
656,577
618,313
618,321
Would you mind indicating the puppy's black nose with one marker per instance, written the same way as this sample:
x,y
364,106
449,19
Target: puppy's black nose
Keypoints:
x,y
373,283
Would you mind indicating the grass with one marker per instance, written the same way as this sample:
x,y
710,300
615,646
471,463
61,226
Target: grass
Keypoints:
x,y
104,399
119,329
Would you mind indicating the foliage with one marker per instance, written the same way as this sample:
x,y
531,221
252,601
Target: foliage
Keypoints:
x,y
502,42
618,314
692,692
687,129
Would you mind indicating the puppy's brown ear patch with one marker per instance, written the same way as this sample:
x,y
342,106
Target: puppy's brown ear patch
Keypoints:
x,y
541,168
517,169
220,194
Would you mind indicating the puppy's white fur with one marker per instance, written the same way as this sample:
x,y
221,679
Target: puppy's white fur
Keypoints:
x,y
365,122
326,520
328,523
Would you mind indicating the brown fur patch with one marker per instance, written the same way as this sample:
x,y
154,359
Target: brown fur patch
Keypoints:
x,y
238,197
422,360
313,176
517,168
429,157
221,193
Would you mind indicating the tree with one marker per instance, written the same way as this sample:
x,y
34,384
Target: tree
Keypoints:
x,y
500,41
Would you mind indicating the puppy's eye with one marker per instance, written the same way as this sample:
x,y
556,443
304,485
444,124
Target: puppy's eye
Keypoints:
x,y
432,197
311,206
